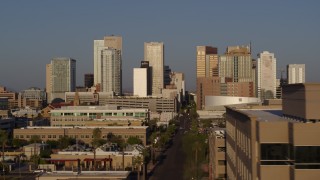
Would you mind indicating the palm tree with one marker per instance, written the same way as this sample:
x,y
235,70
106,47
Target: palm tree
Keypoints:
x,y
3,141
137,162
96,142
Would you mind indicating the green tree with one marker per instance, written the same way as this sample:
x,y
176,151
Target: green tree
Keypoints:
x,y
134,140
96,142
19,142
65,141
35,139
53,144
137,162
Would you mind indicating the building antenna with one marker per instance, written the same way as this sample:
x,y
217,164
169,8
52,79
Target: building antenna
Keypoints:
x,y
250,47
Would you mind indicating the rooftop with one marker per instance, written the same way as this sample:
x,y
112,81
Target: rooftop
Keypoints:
x,y
104,174
88,127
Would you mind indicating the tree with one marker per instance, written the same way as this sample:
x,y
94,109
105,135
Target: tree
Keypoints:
x,y
65,141
96,142
137,162
53,144
3,141
134,140
35,139
19,142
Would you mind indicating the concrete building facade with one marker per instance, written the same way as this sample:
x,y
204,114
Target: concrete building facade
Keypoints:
x,y
217,154
154,104
97,116
270,143
63,77
154,54
112,42
81,133
266,75
111,71
296,73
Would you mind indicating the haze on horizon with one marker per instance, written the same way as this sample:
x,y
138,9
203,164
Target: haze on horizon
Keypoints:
x,y
33,32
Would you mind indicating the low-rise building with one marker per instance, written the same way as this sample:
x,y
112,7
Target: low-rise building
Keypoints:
x,y
108,157
154,104
81,133
98,116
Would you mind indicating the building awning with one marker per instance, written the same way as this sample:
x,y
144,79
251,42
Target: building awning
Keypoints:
x,y
61,160
97,159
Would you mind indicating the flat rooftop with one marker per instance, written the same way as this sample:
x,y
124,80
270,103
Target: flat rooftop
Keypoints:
x,y
86,127
265,115
94,174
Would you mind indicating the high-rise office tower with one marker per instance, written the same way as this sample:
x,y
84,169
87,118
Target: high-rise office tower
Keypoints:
x,y
62,77
154,54
111,71
296,73
167,72
266,79
112,42
207,61
208,83
237,64
48,82
88,80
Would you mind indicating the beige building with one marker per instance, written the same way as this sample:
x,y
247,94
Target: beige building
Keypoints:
x,y
98,116
273,143
48,81
207,61
154,104
86,175
237,64
217,154
296,73
81,133
107,157
266,75
154,54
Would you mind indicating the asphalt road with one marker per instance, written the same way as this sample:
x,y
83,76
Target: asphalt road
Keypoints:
x,y
172,161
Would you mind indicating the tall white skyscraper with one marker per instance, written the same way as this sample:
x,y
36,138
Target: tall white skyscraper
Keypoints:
x,y
111,71
111,42
296,73
154,53
266,75
62,76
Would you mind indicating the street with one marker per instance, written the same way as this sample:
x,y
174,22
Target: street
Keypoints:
x,y
171,164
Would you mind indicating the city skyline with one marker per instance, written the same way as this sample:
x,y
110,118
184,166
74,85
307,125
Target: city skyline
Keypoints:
x,y
49,30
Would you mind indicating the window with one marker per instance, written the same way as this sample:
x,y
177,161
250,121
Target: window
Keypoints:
x,y
49,136
275,154
43,136
307,154
222,162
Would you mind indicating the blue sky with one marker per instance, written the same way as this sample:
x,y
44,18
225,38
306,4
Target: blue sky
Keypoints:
x,y
32,32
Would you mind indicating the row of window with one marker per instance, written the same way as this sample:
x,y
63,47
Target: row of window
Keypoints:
x,y
82,136
137,114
